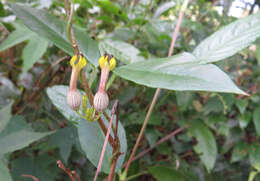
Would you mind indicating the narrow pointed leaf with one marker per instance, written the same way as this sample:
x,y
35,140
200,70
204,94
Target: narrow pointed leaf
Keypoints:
x,y
256,119
229,39
53,29
5,115
17,135
178,73
166,174
33,51
207,146
17,36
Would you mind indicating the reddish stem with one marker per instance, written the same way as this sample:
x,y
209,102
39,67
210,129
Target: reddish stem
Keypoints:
x,y
30,176
115,152
66,170
106,141
75,175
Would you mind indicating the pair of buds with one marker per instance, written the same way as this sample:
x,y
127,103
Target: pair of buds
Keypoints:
x,y
101,100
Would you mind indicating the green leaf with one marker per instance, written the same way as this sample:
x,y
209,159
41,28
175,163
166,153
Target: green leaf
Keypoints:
x,y
257,166
43,167
166,174
5,115
4,172
239,152
45,25
138,117
258,55
241,105
244,119
54,30
229,40
112,8
254,153
122,51
178,73
87,46
218,122
163,8
90,134
19,35
252,175
33,51
57,140
17,135
256,119
213,105
206,147
184,99
157,35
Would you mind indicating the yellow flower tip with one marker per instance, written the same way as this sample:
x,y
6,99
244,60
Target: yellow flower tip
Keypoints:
x,y
112,63
80,64
103,62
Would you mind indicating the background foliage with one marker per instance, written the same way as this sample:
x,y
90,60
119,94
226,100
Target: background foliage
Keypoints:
x,y
222,138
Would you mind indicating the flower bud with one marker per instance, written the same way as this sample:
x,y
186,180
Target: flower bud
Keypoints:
x,y
73,96
74,99
101,101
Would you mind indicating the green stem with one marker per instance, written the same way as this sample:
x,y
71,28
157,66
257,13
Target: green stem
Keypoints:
x,y
136,175
111,80
70,11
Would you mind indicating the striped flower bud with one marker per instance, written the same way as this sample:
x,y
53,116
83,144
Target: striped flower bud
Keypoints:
x,y
73,96
101,100
74,99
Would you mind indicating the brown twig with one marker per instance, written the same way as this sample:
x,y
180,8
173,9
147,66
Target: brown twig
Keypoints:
x,y
30,176
37,84
66,170
174,37
166,138
43,74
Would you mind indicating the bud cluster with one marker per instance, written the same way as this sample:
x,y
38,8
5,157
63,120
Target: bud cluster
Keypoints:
x,y
101,100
